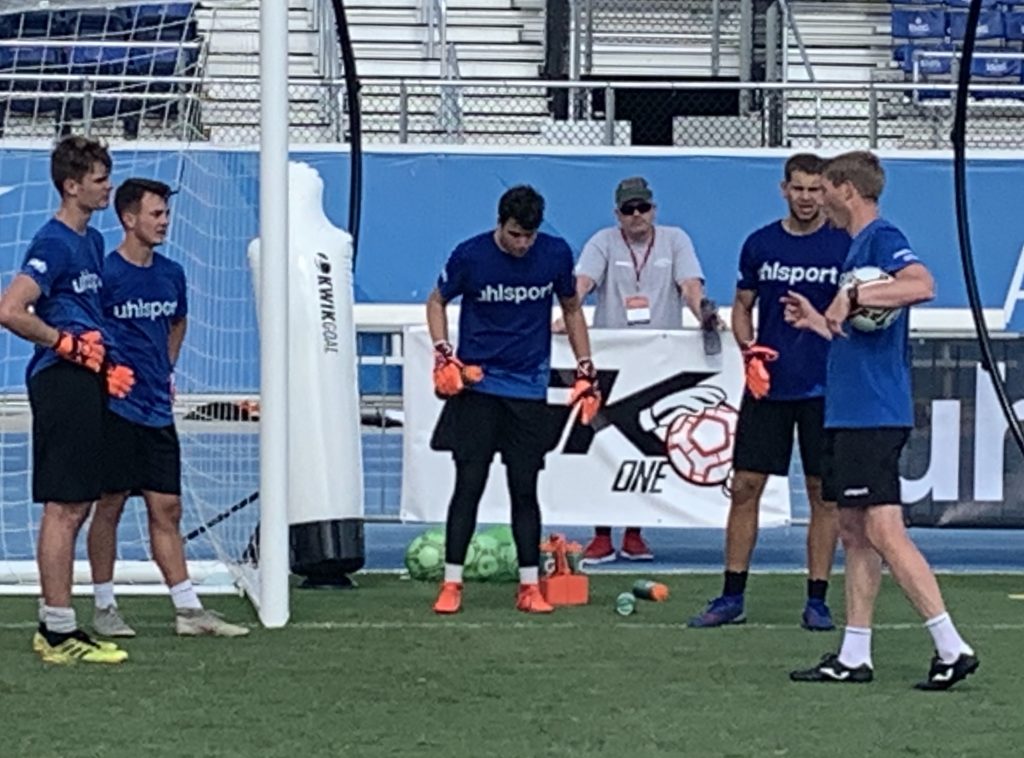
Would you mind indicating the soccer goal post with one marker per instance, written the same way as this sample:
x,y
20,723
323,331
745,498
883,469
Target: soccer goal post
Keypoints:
x,y
133,75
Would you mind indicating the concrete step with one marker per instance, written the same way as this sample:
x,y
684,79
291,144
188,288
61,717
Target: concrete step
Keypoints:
x,y
466,52
244,66
413,69
406,33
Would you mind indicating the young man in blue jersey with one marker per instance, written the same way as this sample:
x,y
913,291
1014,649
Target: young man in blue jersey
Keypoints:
x,y
54,303
804,253
869,413
496,383
145,305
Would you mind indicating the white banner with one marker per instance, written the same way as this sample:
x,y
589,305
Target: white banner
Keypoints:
x,y
658,454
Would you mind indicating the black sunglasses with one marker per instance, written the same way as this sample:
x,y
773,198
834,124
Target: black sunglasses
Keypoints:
x,y
628,209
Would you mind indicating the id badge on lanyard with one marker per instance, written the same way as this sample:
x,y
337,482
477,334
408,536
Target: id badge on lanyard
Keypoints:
x,y
638,310
638,306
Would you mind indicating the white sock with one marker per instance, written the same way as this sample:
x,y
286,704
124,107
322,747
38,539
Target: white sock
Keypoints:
x,y
103,594
59,620
856,649
184,596
453,573
528,575
42,611
948,642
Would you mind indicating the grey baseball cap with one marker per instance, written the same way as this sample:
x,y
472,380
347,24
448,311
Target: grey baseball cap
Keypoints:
x,y
634,188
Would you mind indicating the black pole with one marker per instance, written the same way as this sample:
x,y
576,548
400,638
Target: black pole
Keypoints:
x,y
959,139
355,121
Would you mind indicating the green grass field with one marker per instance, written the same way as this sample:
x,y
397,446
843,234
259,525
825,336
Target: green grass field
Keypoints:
x,y
372,672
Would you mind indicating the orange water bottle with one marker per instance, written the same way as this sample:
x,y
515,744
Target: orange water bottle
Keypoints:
x,y
646,589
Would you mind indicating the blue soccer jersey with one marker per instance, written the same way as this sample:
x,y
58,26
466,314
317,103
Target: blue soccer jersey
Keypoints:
x,y
505,322
140,303
68,267
772,262
868,382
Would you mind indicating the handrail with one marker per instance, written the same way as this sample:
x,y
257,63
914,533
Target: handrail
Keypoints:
x,y
437,25
535,84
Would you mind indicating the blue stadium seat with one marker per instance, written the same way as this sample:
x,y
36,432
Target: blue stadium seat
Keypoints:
x,y
33,24
167,22
1013,22
967,3
917,2
165,61
97,23
33,60
109,60
927,66
918,24
990,25
995,68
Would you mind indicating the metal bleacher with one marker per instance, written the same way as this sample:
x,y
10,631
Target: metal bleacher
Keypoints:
x,y
125,56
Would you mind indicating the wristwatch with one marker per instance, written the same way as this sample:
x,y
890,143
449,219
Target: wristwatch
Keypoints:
x,y
852,294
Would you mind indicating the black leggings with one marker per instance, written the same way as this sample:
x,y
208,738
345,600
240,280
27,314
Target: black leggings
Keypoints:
x,y
470,480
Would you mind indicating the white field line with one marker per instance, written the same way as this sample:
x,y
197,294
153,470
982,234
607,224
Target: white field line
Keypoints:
x,y
333,626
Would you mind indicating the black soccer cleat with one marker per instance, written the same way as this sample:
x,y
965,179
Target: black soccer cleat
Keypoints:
x,y
942,675
830,669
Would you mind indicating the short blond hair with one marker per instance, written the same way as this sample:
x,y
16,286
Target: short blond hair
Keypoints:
x,y
860,168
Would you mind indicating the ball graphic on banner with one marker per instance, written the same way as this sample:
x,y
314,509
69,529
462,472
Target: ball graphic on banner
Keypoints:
x,y
699,445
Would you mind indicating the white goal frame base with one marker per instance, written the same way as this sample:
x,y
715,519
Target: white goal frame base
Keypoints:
x,y
131,578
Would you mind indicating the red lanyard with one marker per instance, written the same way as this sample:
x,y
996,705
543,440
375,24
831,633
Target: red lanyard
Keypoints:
x,y
638,267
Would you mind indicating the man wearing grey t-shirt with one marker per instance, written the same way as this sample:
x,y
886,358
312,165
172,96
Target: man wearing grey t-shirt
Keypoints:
x,y
643,274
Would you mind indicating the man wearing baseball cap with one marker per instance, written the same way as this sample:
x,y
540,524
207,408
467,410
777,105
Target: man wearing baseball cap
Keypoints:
x,y
643,274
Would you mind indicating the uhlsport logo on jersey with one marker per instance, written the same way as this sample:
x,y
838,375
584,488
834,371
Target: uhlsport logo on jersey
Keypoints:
x,y
87,281
505,293
146,309
776,272
682,424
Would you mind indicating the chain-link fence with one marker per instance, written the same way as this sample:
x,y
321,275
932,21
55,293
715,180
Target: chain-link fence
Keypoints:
x,y
737,115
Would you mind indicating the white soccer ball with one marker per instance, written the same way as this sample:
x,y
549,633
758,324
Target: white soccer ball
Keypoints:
x,y
869,319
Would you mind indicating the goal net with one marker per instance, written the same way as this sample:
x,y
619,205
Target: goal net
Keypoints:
x,y
129,75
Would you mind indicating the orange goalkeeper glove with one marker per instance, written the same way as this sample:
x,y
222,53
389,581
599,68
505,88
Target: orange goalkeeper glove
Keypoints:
x,y
585,390
85,349
450,374
120,379
757,377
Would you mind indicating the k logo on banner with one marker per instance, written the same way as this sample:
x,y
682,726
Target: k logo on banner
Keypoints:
x,y
658,454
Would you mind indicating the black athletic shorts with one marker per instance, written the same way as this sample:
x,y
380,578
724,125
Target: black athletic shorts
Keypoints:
x,y
139,458
474,426
862,466
68,403
764,435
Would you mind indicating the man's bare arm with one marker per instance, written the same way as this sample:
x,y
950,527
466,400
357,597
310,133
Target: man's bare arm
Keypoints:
x,y
16,316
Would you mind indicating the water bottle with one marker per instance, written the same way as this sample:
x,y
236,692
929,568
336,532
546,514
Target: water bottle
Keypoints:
x,y
646,589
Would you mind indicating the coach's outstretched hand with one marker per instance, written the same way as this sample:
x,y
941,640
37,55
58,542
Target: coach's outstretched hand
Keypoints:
x,y
450,374
85,349
759,381
120,379
586,391
801,314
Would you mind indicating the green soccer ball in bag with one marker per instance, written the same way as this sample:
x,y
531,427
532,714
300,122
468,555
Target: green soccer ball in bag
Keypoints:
x,y
424,558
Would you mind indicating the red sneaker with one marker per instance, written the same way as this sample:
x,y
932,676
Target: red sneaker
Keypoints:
x,y
600,550
449,600
530,600
634,548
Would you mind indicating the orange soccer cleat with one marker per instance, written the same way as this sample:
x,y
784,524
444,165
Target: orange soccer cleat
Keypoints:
x,y
530,600
449,600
